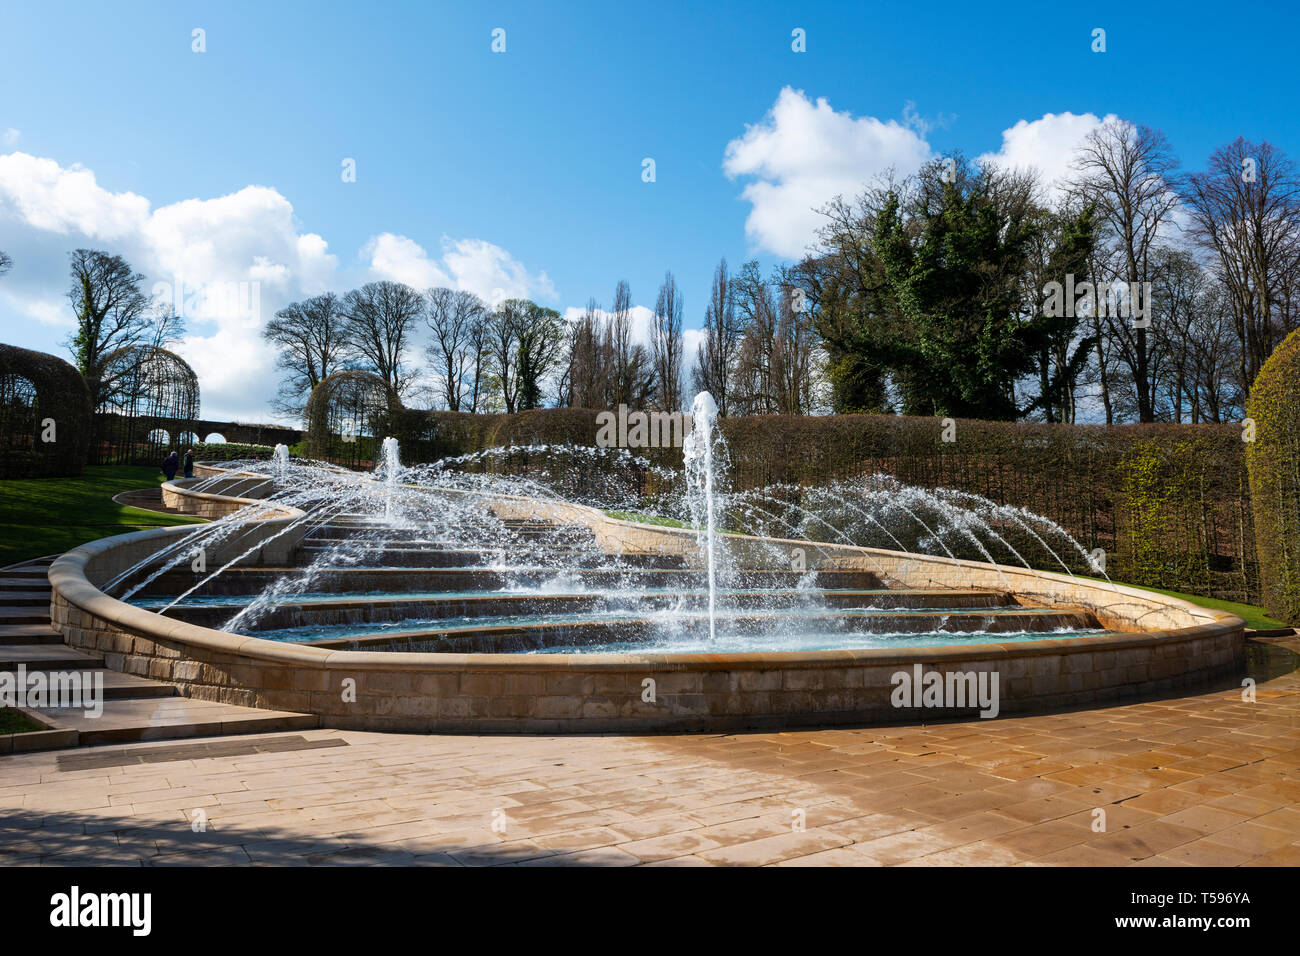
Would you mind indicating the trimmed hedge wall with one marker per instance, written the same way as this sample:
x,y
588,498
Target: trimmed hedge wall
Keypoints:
x,y
230,451
1274,463
36,388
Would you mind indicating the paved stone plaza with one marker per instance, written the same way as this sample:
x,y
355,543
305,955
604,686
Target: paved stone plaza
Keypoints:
x,y
1199,779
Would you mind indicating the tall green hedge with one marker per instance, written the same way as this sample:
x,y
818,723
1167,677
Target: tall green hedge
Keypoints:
x,y
1273,459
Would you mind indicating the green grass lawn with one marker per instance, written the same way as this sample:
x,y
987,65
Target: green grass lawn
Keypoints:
x,y
645,519
12,722
40,516
640,518
1255,617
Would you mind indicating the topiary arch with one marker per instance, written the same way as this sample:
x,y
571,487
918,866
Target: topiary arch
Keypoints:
x,y
1273,459
152,401
44,415
346,416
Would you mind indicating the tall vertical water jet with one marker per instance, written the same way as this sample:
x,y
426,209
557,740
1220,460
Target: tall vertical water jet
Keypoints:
x,y
281,456
697,454
390,461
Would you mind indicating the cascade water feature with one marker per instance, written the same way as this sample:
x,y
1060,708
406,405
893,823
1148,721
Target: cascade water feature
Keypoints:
x,y
391,462
281,455
408,531
697,454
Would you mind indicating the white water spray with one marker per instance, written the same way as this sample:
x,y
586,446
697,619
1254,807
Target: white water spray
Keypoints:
x,y
391,462
281,455
697,453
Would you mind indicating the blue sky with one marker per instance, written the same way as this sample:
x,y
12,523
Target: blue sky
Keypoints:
x,y
522,171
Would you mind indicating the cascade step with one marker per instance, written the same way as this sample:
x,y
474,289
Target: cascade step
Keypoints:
x,y
353,609
415,537
251,580
983,628
418,558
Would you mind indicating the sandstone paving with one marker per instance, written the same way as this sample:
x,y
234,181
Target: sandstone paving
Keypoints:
x,y
1198,779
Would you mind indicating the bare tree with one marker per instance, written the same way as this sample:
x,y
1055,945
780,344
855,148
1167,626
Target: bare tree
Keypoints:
x,y
1126,172
621,351
759,311
564,369
312,345
1214,368
667,345
501,346
1245,211
716,354
589,362
380,319
6,262
112,313
452,316
477,349
793,346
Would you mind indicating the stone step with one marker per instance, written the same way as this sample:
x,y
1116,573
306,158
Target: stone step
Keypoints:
x,y
45,657
423,558
119,686
27,574
25,598
29,634
25,615
417,539
11,583
251,580
124,721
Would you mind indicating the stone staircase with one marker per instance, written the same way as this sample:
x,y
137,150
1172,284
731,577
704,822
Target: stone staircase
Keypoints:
x,y
134,708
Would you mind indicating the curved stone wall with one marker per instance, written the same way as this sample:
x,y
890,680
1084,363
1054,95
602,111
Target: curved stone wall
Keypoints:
x,y
1171,644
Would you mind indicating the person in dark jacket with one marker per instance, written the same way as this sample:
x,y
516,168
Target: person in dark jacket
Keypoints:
x,y
189,463
169,466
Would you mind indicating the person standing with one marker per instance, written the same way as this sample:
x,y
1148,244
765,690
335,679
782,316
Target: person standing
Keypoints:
x,y
169,466
189,463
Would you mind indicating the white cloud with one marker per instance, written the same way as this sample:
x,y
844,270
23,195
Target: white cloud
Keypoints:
x,y
52,198
46,311
1047,144
474,265
642,319
11,136
226,264
492,273
802,155
403,260
229,262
